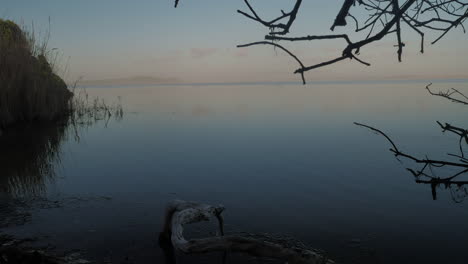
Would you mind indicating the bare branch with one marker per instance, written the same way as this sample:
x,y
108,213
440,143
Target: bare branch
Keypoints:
x,y
462,133
385,17
461,165
379,132
340,19
449,95
273,25
343,36
280,47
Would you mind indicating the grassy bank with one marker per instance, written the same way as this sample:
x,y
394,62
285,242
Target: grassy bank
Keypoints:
x,y
29,88
38,112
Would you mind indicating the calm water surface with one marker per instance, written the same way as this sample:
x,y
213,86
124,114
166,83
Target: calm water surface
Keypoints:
x,y
283,159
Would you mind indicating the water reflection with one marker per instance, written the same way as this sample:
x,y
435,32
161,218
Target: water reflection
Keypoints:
x,y
452,181
458,189
28,157
429,170
267,153
31,153
12,212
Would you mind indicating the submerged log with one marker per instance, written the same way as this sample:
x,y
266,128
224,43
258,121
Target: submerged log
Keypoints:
x,y
180,213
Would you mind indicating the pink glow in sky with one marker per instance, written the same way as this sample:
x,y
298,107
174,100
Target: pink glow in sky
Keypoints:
x,y
197,42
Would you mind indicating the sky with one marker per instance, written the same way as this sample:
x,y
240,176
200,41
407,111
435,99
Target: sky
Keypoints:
x,y
196,42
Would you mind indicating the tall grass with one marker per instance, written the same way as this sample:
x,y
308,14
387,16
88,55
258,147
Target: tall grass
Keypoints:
x,y
38,111
29,87
32,90
86,110
30,153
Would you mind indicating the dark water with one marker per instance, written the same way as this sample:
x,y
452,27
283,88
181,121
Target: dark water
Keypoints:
x,y
283,159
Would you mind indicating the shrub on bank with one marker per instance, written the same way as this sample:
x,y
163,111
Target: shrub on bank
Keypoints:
x,y
29,88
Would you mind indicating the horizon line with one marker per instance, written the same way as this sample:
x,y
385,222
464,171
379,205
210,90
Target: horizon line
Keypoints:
x,y
436,80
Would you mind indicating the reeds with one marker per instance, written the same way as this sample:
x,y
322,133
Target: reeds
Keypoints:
x,y
38,111
86,110
29,87
27,173
32,90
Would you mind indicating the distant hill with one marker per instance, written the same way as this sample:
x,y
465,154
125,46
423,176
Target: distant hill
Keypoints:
x,y
137,80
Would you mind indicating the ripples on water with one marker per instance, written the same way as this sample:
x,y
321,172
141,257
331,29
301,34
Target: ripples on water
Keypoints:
x,y
283,159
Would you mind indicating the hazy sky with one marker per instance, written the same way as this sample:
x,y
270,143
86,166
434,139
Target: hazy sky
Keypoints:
x,y
197,42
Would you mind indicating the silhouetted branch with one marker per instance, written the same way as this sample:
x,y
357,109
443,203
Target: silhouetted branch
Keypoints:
x,y
449,95
343,36
390,14
458,190
385,17
381,133
280,47
463,133
274,24
425,161
340,19
461,165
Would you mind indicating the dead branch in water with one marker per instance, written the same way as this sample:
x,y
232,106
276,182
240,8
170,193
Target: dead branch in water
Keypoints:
x,y
180,213
422,175
449,94
463,133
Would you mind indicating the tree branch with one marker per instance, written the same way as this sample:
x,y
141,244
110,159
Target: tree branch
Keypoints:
x,y
280,47
449,95
460,165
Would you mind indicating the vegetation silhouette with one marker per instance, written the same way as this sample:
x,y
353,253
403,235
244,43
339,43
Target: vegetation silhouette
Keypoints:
x,y
38,111
384,18
30,152
454,168
375,20
30,88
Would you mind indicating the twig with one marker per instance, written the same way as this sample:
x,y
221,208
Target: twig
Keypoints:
x,y
427,163
448,94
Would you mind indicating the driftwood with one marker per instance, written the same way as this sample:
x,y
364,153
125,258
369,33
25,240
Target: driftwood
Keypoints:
x,y
180,213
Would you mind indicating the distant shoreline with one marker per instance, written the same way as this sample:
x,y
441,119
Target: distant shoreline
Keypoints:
x,y
127,83
138,80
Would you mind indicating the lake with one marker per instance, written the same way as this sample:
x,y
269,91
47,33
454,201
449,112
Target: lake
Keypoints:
x,y
282,158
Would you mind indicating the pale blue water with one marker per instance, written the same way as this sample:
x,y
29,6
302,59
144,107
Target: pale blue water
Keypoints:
x,y
282,158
